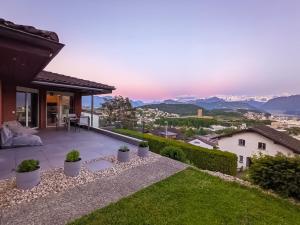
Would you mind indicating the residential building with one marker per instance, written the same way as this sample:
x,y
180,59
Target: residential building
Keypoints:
x,y
34,97
258,140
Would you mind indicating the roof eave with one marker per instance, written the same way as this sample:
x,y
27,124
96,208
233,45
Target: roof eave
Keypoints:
x,y
85,90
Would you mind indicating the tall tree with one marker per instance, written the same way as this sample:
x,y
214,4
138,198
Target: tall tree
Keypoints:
x,y
119,110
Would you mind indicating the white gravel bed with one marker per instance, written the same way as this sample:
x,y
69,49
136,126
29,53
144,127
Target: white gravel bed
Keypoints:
x,y
228,178
54,180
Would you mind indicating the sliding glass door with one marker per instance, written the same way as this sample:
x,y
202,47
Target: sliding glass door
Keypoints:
x,y
59,106
27,108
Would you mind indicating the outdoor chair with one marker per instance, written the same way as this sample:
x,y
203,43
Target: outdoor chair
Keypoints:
x,y
83,121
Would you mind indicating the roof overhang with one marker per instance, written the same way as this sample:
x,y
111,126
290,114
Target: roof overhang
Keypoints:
x,y
24,55
72,88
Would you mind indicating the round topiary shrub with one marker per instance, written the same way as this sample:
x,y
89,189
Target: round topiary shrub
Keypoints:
x,y
28,166
73,156
173,153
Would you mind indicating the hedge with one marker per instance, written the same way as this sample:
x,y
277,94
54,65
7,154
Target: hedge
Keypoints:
x,y
203,158
278,173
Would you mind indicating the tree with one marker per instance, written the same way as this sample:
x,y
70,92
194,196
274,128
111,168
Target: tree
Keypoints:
x,y
119,111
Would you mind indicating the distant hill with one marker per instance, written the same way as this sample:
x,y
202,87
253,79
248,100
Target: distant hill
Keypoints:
x,y
290,105
98,101
179,108
225,105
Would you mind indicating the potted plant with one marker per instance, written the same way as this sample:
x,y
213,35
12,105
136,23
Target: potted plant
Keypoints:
x,y
28,174
123,154
143,149
72,163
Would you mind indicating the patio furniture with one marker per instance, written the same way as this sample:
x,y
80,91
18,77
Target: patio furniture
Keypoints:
x,y
17,139
60,122
84,121
17,128
71,119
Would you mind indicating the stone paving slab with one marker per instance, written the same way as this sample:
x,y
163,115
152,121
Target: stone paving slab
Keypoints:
x,y
62,208
98,165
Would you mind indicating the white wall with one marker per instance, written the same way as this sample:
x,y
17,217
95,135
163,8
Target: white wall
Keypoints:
x,y
231,144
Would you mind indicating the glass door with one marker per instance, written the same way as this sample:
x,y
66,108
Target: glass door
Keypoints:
x,y
59,106
27,108
21,108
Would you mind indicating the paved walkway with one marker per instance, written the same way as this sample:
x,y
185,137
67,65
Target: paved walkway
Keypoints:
x,y
62,208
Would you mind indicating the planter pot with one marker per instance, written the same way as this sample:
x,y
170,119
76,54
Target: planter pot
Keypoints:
x,y
143,151
72,169
123,156
28,180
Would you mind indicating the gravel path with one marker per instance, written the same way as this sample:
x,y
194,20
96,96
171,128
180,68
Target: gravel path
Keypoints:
x,y
74,203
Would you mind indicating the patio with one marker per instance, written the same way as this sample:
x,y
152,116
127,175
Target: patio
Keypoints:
x,y
57,143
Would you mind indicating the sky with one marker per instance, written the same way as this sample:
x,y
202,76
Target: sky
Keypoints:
x,y
163,49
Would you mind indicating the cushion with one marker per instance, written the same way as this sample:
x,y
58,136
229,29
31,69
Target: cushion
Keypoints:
x,y
6,136
27,140
18,129
22,130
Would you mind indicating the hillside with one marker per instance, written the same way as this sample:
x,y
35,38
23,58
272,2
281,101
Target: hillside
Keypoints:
x,y
290,104
181,109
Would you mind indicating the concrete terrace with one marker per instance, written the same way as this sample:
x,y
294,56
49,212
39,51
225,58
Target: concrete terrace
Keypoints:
x,y
57,143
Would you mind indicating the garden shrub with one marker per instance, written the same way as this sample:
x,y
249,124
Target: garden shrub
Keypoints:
x,y
143,144
73,156
124,148
173,153
278,173
208,159
28,166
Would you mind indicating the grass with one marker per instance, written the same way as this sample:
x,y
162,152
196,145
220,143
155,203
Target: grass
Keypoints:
x,y
193,197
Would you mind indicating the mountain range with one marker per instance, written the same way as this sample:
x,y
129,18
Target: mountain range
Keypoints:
x,y
283,105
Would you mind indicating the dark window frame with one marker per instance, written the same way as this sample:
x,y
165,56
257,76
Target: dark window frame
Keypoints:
x,y
242,142
261,146
241,159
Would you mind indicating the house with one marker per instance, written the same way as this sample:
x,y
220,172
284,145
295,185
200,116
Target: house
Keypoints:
x,y
203,142
255,140
34,97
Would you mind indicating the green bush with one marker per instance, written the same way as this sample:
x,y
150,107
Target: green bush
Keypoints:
x,y
173,153
278,173
124,148
214,160
73,156
143,144
28,166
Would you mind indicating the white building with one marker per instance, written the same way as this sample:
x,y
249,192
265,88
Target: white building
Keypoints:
x,y
253,141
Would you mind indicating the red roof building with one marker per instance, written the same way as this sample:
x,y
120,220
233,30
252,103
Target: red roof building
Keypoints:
x,y
27,92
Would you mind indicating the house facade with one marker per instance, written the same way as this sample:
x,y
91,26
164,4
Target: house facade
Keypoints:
x,y
28,94
258,140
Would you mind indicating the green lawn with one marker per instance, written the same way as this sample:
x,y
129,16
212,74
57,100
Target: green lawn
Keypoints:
x,y
192,197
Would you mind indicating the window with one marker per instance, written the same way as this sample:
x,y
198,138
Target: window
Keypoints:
x,y
241,159
261,145
242,142
27,108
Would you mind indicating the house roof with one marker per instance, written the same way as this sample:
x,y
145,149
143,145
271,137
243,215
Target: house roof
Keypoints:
x,y
47,78
30,30
206,141
276,136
